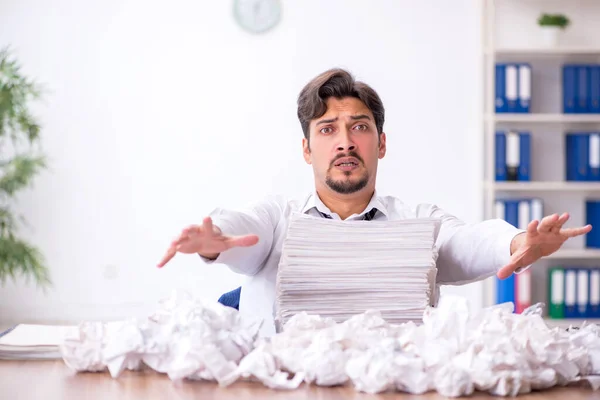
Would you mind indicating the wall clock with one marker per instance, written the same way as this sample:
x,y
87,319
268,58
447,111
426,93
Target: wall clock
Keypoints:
x,y
257,16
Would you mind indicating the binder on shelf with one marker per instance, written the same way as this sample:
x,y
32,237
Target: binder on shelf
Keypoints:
x,y
500,95
511,91
513,155
512,87
570,310
524,156
594,75
524,85
537,209
505,288
594,157
581,88
500,161
582,94
569,79
511,212
574,292
583,287
594,307
582,156
556,292
592,216
523,280
577,156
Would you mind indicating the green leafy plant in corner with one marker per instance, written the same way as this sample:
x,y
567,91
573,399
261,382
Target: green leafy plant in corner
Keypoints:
x,y
555,20
19,164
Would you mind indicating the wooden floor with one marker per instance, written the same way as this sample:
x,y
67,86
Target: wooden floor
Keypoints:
x,y
51,380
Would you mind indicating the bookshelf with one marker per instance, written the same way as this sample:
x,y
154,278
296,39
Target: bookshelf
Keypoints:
x,y
546,117
544,52
545,186
575,254
504,25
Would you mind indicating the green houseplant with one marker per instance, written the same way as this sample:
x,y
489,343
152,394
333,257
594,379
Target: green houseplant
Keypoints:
x,y
554,20
19,164
552,26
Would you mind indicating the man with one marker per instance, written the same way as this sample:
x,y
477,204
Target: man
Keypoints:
x,y
342,121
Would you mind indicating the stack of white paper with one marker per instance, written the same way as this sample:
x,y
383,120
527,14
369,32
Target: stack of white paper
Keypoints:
x,y
339,269
26,342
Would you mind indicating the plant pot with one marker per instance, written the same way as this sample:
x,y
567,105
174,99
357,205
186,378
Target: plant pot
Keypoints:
x,y
551,36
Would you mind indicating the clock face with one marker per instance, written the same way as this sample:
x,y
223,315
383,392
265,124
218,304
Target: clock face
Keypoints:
x,y
257,15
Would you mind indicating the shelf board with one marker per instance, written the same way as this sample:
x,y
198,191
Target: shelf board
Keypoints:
x,y
575,254
550,51
573,118
548,186
567,322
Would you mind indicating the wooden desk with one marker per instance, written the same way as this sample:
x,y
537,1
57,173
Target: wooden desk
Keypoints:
x,y
51,380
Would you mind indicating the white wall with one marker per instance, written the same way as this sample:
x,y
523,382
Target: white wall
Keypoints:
x,y
159,111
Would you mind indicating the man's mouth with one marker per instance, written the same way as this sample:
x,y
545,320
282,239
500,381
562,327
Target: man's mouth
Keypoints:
x,y
346,162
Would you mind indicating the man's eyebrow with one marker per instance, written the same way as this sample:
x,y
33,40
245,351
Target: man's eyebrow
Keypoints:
x,y
353,117
326,121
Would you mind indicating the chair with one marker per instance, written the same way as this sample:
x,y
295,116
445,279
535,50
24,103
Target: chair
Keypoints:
x,y
231,299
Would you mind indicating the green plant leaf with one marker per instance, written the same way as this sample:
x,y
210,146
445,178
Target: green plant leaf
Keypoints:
x,y
19,131
19,172
16,93
558,20
7,221
20,258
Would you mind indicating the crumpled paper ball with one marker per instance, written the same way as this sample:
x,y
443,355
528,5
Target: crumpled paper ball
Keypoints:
x,y
454,351
184,338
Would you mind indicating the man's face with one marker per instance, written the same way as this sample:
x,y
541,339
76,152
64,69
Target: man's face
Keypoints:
x,y
344,146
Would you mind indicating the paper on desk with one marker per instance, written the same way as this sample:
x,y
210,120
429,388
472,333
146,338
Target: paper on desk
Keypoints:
x,y
34,341
185,338
454,352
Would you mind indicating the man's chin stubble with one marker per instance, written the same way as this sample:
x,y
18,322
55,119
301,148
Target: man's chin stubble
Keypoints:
x,y
347,187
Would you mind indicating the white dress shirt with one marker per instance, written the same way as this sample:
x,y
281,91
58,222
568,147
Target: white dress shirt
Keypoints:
x,y
466,252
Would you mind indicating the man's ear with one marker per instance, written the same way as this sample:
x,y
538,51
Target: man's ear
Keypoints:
x,y
382,145
306,150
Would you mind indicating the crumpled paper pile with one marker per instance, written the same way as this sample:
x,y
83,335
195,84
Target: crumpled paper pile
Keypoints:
x,y
453,351
185,338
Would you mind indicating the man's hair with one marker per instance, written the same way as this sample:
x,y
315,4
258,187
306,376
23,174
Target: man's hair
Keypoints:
x,y
336,83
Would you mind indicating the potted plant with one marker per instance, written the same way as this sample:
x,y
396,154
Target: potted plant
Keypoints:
x,y
552,26
19,163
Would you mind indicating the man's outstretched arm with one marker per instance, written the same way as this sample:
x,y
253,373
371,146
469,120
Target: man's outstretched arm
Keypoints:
x,y
471,252
240,239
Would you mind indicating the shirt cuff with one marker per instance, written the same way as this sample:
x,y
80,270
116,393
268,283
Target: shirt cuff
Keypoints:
x,y
503,250
522,269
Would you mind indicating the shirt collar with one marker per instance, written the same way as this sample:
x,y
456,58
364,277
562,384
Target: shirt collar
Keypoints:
x,y
314,201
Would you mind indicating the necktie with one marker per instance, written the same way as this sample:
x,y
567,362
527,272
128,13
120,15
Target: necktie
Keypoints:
x,y
366,217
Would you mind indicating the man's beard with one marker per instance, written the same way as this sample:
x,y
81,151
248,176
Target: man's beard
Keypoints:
x,y
347,186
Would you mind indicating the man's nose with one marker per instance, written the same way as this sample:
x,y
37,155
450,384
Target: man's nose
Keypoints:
x,y
345,143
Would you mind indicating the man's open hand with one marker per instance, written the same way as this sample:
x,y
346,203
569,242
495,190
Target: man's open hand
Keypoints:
x,y
540,240
206,240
